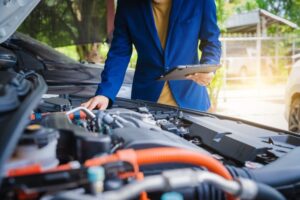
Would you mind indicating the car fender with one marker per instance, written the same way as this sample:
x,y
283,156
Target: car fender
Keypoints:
x,y
292,93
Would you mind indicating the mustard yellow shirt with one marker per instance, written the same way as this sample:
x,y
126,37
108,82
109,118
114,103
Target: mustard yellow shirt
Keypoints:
x,y
161,13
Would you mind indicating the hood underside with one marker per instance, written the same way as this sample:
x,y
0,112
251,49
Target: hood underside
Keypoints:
x,y
13,13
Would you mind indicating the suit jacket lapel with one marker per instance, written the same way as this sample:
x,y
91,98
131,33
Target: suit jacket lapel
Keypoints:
x,y
149,19
176,7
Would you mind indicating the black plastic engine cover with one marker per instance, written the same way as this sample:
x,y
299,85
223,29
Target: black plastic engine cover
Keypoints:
x,y
75,143
12,87
54,105
241,142
7,59
142,138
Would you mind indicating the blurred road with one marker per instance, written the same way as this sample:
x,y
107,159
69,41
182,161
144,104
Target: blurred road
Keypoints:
x,y
264,105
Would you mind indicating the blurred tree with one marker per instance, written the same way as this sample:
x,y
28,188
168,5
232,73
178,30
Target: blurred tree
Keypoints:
x,y
288,9
65,22
247,5
224,10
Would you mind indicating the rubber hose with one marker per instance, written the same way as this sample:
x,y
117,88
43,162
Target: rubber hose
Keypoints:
x,y
266,192
240,172
175,155
166,155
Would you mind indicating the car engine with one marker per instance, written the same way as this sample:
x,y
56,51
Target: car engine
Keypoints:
x,y
138,150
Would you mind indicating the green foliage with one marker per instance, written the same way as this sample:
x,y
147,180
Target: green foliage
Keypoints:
x,y
62,23
69,51
288,9
247,5
221,12
215,87
133,59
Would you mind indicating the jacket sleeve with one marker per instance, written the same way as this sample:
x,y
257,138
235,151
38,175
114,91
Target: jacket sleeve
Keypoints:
x,y
118,57
210,45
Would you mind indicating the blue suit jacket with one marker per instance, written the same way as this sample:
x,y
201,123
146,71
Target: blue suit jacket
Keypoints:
x,y
190,21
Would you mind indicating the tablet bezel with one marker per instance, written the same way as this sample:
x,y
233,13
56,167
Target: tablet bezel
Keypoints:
x,y
180,72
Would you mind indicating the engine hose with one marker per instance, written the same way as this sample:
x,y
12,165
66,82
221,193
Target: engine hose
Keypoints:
x,y
166,155
267,192
175,155
208,191
280,177
240,172
284,179
283,172
72,116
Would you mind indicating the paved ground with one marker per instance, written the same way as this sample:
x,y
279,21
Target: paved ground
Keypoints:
x,y
264,105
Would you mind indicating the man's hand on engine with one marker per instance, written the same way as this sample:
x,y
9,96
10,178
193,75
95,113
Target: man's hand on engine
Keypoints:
x,y
203,79
99,102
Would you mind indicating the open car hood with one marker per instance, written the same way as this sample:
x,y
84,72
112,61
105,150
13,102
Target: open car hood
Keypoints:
x,y
13,13
77,136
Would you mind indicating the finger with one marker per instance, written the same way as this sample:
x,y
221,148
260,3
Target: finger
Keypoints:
x,y
86,104
93,105
201,82
208,77
201,77
194,79
103,107
206,80
205,75
211,76
188,76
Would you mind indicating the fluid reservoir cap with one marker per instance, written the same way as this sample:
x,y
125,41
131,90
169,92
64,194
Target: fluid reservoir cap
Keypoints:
x,y
38,135
172,196
34,127
95,174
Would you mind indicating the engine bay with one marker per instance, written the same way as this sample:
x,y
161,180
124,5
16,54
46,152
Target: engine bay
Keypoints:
x,y
92,133
69,152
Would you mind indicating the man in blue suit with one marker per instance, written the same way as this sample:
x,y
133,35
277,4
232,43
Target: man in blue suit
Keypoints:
x,y
166,34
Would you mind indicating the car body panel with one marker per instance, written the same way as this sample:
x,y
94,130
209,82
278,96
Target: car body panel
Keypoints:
x,y
293,87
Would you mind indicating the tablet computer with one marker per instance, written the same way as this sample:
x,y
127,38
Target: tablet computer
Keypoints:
x,y
180,72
